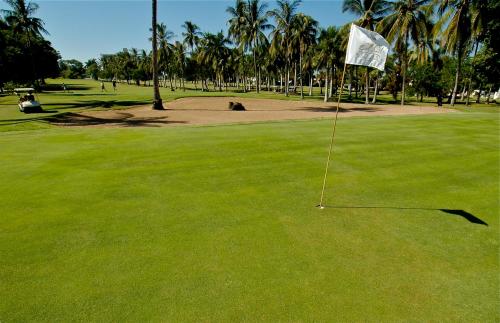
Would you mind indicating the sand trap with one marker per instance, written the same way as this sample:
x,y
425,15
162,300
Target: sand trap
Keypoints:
x,y
203,111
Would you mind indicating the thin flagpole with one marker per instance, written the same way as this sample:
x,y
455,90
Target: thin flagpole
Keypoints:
x,y
333,137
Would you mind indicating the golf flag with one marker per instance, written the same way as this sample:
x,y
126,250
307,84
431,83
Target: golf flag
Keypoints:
x,y
366,48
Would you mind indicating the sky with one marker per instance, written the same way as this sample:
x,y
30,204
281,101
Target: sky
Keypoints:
x,y
86,29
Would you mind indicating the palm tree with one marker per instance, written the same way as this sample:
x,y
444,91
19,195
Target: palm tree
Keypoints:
x,y
20,19
328,52
479,12
370,12
253,32
458,33
284,16
409,20
215,54
237,24
145,64
157,103
165,51
180,61
304,34
191,35
191,39
277,55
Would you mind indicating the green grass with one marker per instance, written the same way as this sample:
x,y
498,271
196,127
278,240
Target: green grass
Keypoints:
x,y
218,223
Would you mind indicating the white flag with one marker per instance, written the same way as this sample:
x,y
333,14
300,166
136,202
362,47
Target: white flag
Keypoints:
x,y
366,48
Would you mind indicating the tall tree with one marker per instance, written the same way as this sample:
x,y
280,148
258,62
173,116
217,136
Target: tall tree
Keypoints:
x,y
165,52
191,35
304,34
237,24
408,21
180,61
369,12
457,35
237,21
215,53
253,34
20,18
327,51
157,103
284,16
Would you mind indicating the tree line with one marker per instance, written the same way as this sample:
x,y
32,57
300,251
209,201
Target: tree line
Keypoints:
x,y
25,56
439,48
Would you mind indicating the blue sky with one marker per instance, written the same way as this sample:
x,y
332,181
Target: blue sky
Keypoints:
x,y
86,29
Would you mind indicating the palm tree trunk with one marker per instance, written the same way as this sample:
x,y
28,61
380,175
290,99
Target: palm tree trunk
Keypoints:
x,y
310,84
356,81
334,79
457,76
326,86
374,100
281,82
157,104
33,68
295,76
255,67
403,67
350,83
467,102
403,89
301,83
287,89
470,81
330,91
259,79
489,95
478,99
367,85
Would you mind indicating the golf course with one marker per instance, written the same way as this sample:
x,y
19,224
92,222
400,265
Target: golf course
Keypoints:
x,y
219,222
250,161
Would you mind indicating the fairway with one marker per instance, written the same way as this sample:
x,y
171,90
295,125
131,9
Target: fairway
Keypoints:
x,y
218,223
249,161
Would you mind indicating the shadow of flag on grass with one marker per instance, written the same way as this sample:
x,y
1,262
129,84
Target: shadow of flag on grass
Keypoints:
x,y
464,214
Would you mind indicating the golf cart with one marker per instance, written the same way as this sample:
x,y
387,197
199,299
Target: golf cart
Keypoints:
x,y
27,102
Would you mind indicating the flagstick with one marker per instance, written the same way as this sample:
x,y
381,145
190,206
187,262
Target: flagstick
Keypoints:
x,y
333,136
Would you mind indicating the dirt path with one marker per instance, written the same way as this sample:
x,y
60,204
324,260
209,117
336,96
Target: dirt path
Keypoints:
x,y
203,111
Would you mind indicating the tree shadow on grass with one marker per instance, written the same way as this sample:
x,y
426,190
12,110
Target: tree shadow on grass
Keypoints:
x,y
464,214
50,108
121,119
58,87
95,104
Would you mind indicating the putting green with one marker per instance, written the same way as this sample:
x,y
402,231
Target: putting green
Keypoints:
x,y
217,223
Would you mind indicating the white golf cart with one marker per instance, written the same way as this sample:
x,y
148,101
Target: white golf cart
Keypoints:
x,y
27,102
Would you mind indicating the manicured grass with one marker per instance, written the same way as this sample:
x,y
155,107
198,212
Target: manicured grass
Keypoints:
x,y
218,223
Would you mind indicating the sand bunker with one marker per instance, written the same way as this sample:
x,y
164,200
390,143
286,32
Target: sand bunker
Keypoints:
x,y
203,111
